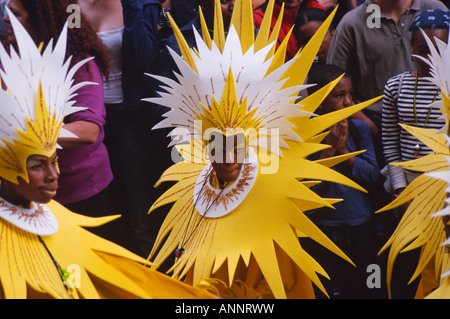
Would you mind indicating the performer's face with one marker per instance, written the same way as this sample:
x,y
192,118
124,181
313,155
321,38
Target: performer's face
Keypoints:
x,y
43,182
227,155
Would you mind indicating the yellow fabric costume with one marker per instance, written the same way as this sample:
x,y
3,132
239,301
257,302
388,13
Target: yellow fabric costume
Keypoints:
x,y
422,226
44,251
242,241
97,268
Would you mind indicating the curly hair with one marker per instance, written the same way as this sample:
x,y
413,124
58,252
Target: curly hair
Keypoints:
x,y
48,18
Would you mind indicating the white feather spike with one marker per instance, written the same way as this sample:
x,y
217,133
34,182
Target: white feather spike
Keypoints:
x,y
262,89
23,72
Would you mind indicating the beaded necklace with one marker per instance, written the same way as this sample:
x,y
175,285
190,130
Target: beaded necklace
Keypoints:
x,y
417,146
179,251
63,274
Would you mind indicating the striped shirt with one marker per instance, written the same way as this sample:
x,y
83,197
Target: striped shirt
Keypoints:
x,y
398,107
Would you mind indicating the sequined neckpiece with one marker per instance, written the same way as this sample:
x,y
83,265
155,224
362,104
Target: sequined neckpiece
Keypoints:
x,y
37,220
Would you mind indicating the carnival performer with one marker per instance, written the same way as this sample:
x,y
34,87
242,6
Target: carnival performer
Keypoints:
x,y
409,98
242,175
424,223
44,251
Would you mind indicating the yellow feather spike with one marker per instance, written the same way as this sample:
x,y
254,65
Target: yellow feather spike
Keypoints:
x,y
184,47
40,137
311,102
262,39
242,20
205,31
196,52
427,195
299,69
229,113
276,31
280,55
446,102
219,32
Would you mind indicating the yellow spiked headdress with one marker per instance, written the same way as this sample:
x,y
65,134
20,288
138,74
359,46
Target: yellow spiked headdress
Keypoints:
x,y
39,90
237,84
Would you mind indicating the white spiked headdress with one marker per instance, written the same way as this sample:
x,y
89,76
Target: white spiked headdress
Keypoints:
x,y
38,96
229,85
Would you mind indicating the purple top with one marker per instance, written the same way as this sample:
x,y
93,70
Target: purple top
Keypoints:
x,y
85,170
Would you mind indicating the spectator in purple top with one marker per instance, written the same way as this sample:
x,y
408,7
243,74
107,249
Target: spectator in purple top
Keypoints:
x,y
84,162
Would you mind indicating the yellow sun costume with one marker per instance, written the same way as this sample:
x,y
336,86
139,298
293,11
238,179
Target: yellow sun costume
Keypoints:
x,y
44,251
422,226
242,241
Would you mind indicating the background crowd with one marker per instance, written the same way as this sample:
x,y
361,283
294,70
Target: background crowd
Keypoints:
x,y
114,165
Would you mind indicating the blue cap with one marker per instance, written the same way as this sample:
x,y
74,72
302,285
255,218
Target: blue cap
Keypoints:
x,y
430,18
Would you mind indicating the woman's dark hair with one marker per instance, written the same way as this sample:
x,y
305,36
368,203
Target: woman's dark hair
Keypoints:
x,y
310,14
322,74
263,6
48,17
